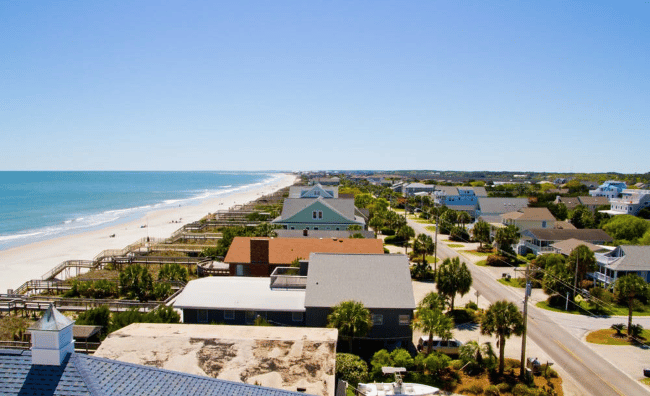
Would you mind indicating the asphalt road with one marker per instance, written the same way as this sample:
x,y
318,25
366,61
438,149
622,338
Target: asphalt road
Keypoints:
x,y
594,374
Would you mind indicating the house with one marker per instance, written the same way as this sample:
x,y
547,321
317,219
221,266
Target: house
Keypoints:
x,y
490,209
315,191
526,218
623,260
412,188
326,181
567,246
318,214
260,256
590,202
539,240
334,278
570,202
631,202
459,198
52,367
239,301
610,189
290,299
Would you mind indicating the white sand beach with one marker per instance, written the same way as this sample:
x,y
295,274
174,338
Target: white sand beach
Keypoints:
x,y
23,263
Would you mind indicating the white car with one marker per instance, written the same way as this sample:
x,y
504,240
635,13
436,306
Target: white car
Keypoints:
x,y
448,347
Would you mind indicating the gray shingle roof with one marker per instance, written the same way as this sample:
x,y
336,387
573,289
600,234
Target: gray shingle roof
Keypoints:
x,y
334,278
552,234
636,258
492,206
88,375
323,234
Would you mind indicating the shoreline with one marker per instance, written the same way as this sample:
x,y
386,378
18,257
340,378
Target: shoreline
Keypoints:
x,y
25,262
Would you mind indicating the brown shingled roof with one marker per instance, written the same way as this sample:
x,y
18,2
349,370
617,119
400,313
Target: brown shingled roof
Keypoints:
x,y
286,250
530,214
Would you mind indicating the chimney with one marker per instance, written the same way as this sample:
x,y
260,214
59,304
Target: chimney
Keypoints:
x,y
51,338
305,232
259,250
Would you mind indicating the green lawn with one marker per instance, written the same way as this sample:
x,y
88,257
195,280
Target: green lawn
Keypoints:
x,y
513,282
430,259
616,310
455,245
482,263
475,253
431,228
608,337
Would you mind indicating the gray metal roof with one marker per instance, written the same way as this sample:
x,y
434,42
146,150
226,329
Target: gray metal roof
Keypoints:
x,y
52,320
376,280
496,206
85,375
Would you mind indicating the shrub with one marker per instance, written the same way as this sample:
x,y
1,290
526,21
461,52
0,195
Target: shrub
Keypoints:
x,y
380,359
173,272
351,368
492,390
637,306
387,231
161,291
99,316
531,256
471,305
456,364
401,358
619,328
504,387
602,294
497,260
486,248
520,390
459,234
475,389
136,282
436,362
557,301
586,284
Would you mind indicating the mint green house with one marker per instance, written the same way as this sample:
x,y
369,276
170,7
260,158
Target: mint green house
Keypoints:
x,y
319,214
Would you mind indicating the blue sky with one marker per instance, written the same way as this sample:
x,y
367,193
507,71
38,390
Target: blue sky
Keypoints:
x,y
447,85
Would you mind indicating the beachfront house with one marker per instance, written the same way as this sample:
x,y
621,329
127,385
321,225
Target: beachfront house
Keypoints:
x,y
623,260
52,367
413,188
291,299
540,240
260,256
315,191
319,214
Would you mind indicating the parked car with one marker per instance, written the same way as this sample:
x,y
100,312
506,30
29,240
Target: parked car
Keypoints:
x,y
448,347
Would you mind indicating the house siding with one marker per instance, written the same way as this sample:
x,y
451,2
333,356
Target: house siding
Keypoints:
x,y
389,330
191,315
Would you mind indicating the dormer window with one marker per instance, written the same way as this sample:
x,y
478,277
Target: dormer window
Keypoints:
x,y
317,214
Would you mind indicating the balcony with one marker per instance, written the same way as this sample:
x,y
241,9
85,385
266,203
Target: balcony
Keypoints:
x,y
287,278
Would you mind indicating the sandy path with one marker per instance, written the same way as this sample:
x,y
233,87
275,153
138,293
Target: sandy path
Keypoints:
x,y
22,263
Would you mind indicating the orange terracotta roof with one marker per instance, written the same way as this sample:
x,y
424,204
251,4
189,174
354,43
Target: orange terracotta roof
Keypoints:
x,y
286,250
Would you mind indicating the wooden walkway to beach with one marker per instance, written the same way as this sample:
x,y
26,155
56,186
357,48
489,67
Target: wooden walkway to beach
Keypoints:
x,y
15,304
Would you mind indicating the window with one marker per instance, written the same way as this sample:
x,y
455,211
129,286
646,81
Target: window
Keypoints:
x,y
320,214
544,224
317,214
377,320
229,315
296,316
315,228
293,228
202,316
405,320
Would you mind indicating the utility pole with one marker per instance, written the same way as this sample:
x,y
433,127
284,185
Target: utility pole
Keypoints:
x,y
575,281
435,245
522,367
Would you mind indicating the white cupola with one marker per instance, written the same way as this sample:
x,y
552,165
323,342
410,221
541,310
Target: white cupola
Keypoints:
x,y
51,338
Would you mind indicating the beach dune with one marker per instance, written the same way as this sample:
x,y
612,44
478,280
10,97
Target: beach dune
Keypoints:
x,y
23,263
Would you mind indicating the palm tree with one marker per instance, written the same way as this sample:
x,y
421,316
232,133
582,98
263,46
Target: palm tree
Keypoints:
x,y
433,321
351,318
423,245
481,232
628,287
476,357
405,233
434,301
376,223
502,319
463,218
453,277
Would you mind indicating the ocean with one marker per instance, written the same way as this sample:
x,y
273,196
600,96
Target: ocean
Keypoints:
x,y
36,206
